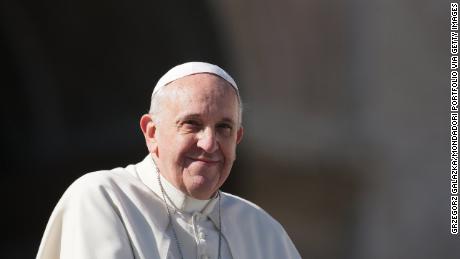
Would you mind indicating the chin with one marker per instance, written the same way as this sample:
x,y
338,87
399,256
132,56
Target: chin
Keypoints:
x,y
201,187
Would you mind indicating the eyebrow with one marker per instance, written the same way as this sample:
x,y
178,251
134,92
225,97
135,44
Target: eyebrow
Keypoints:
x,y
197,116
228,120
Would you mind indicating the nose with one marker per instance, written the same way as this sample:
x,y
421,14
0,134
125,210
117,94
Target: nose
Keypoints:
x,y
207,140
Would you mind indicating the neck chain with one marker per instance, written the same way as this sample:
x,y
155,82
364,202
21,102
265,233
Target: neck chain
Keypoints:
x,y
172,222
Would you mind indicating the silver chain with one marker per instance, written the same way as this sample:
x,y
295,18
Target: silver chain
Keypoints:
x,y
172,222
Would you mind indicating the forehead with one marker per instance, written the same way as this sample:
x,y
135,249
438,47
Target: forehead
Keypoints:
x,y
203,93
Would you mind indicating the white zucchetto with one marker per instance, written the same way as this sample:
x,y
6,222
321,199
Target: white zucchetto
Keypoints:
x,y
191,68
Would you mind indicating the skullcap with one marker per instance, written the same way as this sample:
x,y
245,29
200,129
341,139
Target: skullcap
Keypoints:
x,y
191,68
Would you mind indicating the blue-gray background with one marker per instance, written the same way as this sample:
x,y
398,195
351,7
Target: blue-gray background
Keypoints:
x,y
346,111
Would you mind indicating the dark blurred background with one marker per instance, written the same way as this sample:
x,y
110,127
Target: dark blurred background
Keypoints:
x,y
346,111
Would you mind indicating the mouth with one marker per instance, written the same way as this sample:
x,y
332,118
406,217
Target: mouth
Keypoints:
x,y
204,160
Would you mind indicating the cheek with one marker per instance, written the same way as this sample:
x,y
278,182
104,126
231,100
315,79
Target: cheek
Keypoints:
x,y
168,147
182,146
229,151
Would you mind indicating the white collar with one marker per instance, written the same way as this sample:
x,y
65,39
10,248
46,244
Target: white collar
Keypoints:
x,y
175,198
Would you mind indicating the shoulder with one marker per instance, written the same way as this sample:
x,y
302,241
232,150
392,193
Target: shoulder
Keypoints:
x,y
252,213
254,231
91,202
99,184
96,179
232,200
101,177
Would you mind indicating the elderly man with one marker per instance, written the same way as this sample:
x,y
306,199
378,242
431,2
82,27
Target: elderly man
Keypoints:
x,y
169,205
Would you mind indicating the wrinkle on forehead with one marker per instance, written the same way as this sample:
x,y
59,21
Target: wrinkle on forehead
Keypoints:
x,y
186,91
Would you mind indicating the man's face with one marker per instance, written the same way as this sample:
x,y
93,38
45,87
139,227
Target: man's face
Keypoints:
x,y
196,133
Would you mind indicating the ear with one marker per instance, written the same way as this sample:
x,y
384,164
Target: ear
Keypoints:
x,y
239,135
148,128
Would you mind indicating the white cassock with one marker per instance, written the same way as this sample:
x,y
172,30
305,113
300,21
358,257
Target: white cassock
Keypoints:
x,y
121,214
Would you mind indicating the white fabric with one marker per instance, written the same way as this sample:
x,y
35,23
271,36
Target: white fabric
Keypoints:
x,y
179,201
197,233
118,214
191,68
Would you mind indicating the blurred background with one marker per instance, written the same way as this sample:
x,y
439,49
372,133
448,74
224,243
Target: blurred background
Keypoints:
x,y
346,111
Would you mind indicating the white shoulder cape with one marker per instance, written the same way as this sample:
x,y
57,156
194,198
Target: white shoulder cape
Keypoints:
x,y
116,215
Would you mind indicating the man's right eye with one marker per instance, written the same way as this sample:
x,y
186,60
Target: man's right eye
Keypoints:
x,y
191,125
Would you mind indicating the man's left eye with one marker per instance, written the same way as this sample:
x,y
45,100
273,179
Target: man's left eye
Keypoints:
x,y
192,123
224,126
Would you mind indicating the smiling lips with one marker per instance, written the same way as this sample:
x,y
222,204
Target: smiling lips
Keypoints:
x,y
204,160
